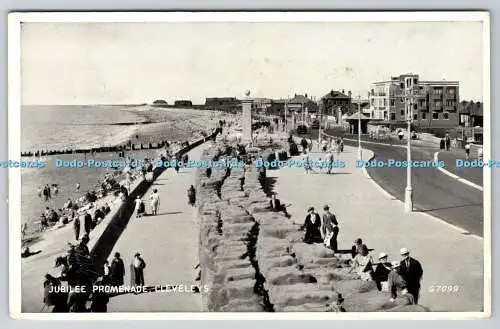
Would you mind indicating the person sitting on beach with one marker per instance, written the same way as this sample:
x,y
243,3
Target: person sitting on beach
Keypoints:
x,y
362,264
43,222
68,204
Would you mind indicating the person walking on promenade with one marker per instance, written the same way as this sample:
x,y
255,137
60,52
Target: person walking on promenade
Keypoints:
x,y
412,272
139,207
307,164
381,274
341,144
117,271
87,223
139,266
76,227
330,229
329,163
467,151
441,144
155,202
448,142
312,225
310,145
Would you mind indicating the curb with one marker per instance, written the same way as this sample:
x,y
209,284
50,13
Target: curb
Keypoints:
x,y
458,178
390,196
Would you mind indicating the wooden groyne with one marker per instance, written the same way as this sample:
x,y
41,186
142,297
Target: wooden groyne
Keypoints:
x,y
117,148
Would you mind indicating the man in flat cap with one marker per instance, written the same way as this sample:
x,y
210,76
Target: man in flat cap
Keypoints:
x,y
412,272
382,270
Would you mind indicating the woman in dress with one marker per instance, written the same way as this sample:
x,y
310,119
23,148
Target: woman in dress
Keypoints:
x,y
363,264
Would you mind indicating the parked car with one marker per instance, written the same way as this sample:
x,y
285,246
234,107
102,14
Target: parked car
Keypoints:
x,y
302,129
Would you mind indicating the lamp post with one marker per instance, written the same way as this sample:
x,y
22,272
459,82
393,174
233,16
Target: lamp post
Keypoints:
x,y
286,114
409,97
360,154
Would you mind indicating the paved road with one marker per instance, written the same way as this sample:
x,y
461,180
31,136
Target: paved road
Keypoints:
x,y
433,191
474,175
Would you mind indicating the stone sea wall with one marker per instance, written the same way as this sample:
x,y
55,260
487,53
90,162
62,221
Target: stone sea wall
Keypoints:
x,y
254,259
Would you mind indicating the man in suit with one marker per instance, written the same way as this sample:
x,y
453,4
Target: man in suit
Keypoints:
x,y
312,225
412,272
276,205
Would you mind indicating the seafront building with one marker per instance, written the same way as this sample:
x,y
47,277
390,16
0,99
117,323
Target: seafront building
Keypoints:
x,y
435,103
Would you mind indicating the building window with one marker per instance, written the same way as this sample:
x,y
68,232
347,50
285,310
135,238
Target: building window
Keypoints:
x,y
451,91
445,115
402,112
438,104
435,115
415,117
438,91
393,116
423,115
393,102
415,80
402,85
415,106
450,102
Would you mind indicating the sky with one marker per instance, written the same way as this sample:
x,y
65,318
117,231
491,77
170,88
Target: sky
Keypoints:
x,y
133,63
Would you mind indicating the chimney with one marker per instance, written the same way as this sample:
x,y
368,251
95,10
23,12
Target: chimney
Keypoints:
x,y
305,95
349,94
342,91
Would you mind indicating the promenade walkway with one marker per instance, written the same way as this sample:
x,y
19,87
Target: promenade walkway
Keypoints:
x,y
168,243
448,257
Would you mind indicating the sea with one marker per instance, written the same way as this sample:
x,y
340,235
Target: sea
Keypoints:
x,y
72,127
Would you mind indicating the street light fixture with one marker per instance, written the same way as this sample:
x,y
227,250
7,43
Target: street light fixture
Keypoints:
x,y
360,154
409,97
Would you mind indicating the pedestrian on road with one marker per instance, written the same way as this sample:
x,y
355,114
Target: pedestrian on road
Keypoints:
x,y
117,271
155,202
442,144
139,266
87,223
467,151
401,134
312,225
448,142
76,227
330,229
412,272
341,144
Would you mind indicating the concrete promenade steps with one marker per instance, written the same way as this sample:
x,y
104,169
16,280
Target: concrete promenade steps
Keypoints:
x,y
254,259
